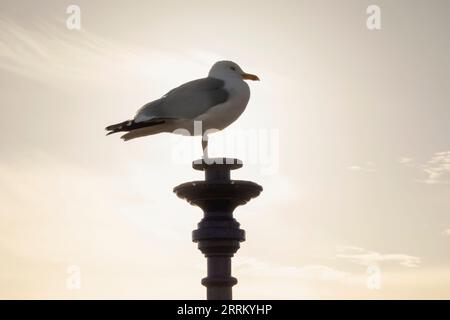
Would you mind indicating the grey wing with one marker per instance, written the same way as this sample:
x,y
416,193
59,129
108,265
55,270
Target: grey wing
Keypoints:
x,y
186,101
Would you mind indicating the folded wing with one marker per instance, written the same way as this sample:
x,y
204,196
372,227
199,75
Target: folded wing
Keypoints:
x,y
186,101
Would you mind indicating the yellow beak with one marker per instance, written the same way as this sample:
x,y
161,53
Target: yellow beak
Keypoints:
x,y
249,76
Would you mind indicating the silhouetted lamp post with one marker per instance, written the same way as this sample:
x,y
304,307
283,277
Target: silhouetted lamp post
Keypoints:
x,y
218,234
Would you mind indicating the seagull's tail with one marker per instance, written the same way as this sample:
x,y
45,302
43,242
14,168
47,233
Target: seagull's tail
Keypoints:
x,y
131,126
118,127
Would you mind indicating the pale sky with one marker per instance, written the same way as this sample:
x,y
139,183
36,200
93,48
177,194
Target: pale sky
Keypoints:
x,y
352,148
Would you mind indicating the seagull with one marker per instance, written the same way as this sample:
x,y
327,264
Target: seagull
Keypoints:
x,y
197,107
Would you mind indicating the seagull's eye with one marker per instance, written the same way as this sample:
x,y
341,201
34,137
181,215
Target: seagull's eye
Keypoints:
x,y
233,68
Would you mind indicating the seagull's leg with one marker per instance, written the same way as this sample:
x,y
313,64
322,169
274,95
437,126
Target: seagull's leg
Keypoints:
x,y
205,146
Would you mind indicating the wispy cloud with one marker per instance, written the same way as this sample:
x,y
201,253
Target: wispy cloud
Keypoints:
x,y
366,167
438,168
405,160
257,268
53,54
366,258
50,52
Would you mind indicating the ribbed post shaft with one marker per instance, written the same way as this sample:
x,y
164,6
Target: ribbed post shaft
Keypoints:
x,y
218,234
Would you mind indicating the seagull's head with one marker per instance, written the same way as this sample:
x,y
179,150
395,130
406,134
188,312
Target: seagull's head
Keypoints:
x,y
230,69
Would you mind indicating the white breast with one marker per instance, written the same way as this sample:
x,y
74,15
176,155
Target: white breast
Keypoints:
x,y
221,116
